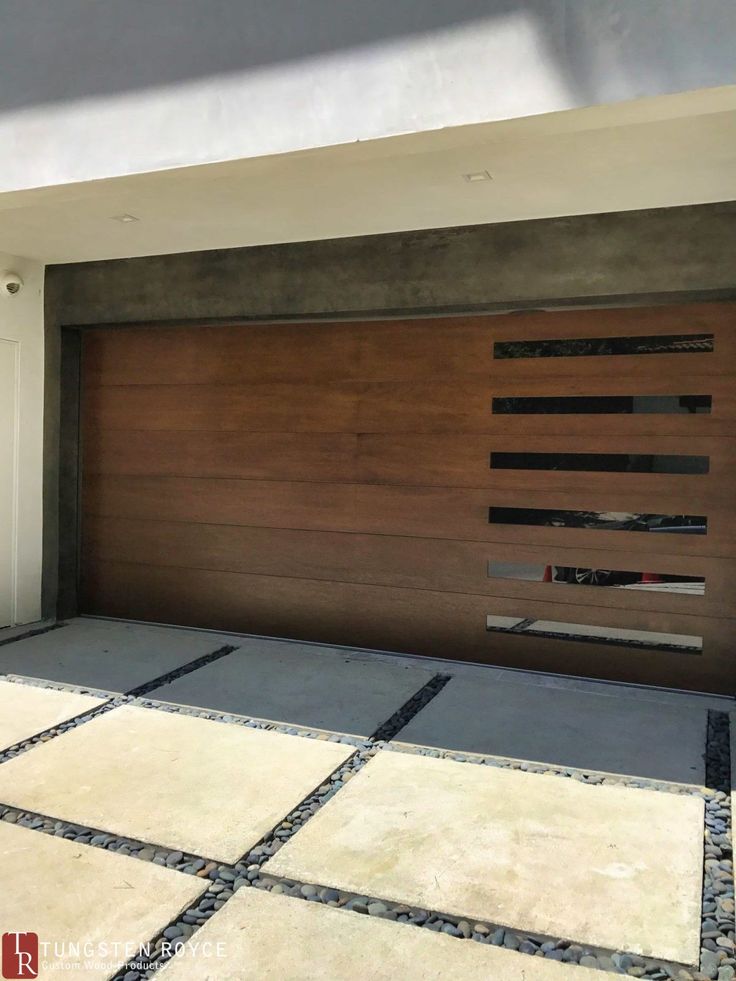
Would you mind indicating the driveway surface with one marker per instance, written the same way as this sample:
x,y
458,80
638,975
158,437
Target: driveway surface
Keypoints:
x,y
231,807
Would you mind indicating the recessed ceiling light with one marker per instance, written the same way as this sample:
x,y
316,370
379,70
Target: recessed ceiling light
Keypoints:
x,y
477,176
125,219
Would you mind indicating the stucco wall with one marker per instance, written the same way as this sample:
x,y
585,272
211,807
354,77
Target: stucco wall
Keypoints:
x,y
159,84
21,444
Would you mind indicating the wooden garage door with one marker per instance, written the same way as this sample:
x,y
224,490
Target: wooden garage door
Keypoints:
x,y
551,491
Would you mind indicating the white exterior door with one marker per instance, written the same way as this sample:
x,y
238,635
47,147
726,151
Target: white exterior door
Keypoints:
x,y
8,414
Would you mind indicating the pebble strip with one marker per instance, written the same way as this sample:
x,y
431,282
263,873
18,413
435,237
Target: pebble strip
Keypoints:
x,y
187,668
410,708
717,953
718,755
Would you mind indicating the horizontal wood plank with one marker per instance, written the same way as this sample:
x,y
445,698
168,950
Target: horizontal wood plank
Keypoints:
x,y
694,427
427,512
216,355
266,456
440,406
436,624
450,460
417,563
363,350
280,407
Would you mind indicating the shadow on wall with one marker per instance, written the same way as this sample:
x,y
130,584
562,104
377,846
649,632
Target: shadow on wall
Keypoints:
x,y
604,49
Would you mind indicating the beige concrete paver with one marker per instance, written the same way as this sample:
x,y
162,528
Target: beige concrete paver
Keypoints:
x,y
25,710
174,780
275,938
73,894
606,866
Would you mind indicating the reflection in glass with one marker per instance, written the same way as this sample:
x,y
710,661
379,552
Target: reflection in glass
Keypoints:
x,y
603,405
601,462
573,347
619,636
618,578
678,524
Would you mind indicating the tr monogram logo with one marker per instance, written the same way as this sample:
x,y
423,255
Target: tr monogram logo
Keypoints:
x,y
20,955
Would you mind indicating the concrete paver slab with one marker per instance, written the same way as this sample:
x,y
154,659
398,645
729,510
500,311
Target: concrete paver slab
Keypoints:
x,y
580,729
607,866
719,703
274,938
23,630
321,688
173,780
106,654
73,894
25,710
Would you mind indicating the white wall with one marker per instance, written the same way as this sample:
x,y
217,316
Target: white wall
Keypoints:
x,y
8,376
111,87
21,444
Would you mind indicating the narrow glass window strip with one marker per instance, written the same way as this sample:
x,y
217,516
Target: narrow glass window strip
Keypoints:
x,y
602,462
611,578
574,347
617,636
676,524
602,405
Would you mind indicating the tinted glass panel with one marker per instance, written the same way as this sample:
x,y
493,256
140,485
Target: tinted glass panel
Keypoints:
x,y
573,347
603,405
608,462
681,524
619,636
614,578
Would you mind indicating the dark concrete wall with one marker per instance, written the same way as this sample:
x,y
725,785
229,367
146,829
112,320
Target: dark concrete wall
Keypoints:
x,y
478,267
631,257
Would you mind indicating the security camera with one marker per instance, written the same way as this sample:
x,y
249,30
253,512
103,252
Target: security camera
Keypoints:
x,y
10,284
